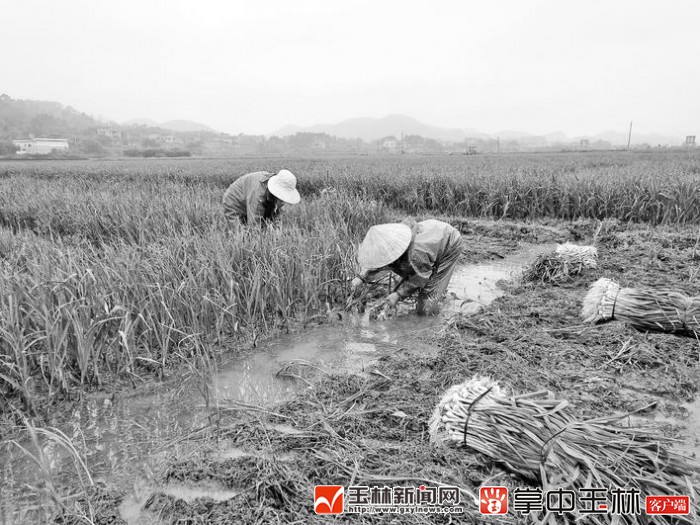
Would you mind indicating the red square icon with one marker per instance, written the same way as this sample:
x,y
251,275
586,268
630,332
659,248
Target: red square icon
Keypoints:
x,y
328,499
667,505
493,500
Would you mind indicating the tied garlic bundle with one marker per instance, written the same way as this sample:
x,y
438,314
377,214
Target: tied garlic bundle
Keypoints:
x,y
479,414
599,304
654,310
447,421
567,260
574,255
537,438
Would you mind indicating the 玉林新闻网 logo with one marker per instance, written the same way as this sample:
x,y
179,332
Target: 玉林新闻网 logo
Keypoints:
x,y
328,499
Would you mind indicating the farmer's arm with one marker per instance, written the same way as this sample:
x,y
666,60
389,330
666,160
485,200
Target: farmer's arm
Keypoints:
x,y
422,260
279,206
234,200
371,275
408,286
229,204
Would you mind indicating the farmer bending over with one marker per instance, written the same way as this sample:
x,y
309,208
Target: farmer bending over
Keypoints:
x,y
423,254
259,196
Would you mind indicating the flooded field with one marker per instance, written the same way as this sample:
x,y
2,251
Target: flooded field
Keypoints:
x,y
122,439
267,375
186,375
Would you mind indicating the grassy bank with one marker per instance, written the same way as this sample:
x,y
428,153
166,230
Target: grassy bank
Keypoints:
x,y
77,313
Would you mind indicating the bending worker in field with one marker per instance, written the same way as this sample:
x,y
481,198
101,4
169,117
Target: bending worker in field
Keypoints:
x,y
259,196
423,254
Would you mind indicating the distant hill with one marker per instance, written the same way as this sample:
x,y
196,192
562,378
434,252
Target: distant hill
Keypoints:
x,y
509,134
653,139
475,133
20,118
172,125
186,125
141,122
557,136
368,129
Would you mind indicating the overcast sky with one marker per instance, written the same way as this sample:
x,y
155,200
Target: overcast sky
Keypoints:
x,y
254,66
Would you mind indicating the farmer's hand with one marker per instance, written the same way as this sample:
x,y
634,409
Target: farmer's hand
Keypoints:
x,y
355,293
392,299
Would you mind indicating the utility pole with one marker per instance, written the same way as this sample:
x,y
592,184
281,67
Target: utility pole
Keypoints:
x,y
498,144
629,136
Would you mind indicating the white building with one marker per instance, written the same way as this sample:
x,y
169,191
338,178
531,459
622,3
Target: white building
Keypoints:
x,y
40,146
390,143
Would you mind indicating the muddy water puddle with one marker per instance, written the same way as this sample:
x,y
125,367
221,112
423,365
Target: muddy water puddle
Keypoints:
x,y
131,507
475,286
289,365
687,424
264,377
125,440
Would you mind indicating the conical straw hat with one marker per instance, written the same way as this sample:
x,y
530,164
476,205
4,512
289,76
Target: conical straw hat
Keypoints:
x,y
383,244
284,187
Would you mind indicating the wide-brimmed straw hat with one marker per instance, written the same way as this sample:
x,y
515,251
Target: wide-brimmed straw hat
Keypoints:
x,y
383,244
284,187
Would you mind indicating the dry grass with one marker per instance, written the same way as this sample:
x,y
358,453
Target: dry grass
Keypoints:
x,y
567,261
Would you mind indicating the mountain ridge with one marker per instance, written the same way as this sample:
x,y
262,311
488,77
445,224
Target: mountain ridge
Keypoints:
x,y
372,128
172,125
19,118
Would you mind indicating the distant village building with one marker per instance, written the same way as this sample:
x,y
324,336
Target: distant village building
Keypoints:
x,y
690,141
39,146
248,144
390,144
319,145
584,143
110,132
